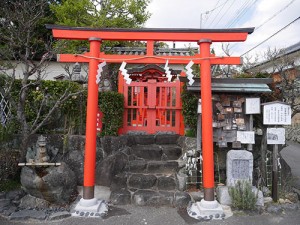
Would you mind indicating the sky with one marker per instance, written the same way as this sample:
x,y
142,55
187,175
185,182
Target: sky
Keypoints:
x,y
267,16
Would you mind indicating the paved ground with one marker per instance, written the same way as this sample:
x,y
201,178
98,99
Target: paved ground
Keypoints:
x,y
291,154
130,215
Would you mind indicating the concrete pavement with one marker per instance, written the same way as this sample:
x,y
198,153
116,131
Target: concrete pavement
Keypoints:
x,y
132,215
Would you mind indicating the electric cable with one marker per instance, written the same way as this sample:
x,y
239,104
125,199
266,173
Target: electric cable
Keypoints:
x,y
272,35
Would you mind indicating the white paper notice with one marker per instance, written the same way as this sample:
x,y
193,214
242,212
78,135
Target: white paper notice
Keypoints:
x,y
245,137
277,114
252,106
275,136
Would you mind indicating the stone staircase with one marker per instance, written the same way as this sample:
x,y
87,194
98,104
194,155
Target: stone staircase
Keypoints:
x,y
149,178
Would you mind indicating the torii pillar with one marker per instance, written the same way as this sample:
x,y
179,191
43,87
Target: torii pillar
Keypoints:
x,y
207,129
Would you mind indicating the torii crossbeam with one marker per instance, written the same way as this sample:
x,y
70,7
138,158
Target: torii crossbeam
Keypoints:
x,y
204,38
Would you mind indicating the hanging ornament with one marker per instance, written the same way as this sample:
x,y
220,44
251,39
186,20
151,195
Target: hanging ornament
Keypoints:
x,y
189,72
99,71
168,72
124,73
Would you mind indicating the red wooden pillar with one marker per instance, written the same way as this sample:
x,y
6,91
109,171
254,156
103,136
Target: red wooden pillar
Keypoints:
x,y
91,117
207,129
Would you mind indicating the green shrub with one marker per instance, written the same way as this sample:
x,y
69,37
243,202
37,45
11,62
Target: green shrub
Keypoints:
x,y
112,106
189,110
242,196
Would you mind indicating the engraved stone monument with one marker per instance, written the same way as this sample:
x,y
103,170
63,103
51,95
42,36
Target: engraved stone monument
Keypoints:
x,y
239,166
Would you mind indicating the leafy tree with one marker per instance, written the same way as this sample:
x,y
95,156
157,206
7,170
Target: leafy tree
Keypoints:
x,y
25,43
100,14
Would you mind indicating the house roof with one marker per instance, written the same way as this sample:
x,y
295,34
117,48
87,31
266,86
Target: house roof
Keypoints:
x,y
233,85
157,51
293,49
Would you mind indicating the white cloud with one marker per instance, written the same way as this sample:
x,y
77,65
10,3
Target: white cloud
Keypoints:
x,y
187,13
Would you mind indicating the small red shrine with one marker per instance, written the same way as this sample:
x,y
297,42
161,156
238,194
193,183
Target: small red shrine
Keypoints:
x,y
152,104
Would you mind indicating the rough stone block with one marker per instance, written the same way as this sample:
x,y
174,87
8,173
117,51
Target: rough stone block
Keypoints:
x,y
120,197
141,181
152,198
166,183
172,152
165,139
223,195
149,152
29,201
144,139
181,199
181,179
4,204
136,165
119,181
162,166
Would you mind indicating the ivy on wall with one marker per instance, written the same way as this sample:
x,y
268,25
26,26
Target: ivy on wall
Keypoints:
x,y
189,110
112,106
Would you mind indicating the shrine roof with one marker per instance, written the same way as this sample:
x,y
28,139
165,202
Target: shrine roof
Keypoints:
x,y
233,85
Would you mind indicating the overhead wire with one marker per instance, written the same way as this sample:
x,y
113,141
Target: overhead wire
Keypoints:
x,y
269,19
218,12
281,10
225,12
277,32
242,13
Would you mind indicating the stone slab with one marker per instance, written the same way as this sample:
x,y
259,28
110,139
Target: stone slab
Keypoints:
x,y
28,214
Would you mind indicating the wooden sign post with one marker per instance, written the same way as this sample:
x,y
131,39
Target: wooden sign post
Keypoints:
x,y
276,113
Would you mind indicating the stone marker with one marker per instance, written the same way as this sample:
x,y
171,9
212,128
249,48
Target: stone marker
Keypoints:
x,y
239,167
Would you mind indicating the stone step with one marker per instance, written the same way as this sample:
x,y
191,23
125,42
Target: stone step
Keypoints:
x,y
143,166
166,182
157,152
171,152
159,139
148,152
150,198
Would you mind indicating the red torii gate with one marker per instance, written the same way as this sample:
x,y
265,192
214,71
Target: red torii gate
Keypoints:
x,y
204,37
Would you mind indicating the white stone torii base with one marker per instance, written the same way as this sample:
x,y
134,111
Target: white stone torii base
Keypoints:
x,y
90,208
206,210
